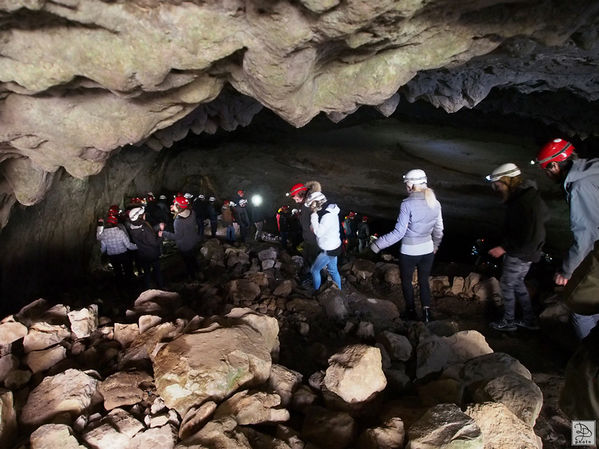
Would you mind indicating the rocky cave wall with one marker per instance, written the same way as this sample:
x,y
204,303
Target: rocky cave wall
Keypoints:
x,y
82,81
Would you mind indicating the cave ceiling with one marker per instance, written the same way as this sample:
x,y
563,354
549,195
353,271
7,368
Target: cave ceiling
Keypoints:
x,y
80,79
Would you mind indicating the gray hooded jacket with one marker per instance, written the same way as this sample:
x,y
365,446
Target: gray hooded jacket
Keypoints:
x,y
582,190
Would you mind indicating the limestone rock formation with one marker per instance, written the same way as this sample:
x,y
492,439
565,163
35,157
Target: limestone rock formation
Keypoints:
x,y
81,80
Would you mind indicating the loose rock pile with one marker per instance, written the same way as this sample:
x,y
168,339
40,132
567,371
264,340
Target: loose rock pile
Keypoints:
x,y
274,368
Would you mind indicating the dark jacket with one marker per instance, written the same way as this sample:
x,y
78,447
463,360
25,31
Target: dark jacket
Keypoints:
x,y
304,219
147,241
186,231
241,216
201,208
524,228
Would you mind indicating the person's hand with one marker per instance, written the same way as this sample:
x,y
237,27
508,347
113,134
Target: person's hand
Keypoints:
x,y
559,279
375,249
160,234
161,226
497,252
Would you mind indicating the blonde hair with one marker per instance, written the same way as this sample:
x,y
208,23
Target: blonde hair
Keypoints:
x,y
429,194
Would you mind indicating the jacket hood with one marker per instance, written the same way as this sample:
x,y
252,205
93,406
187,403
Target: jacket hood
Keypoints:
x,y
581,168
313,186
333,209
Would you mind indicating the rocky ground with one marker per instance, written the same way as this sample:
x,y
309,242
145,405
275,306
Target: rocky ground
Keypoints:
x,y
242,357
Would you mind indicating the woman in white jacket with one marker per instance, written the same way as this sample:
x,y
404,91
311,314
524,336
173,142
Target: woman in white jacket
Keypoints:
x,y
325,225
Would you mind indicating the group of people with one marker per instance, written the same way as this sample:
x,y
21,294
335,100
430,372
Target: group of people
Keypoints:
x,y
419,227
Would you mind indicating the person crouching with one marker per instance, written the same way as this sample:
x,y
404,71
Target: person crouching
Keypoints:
x,y
325,225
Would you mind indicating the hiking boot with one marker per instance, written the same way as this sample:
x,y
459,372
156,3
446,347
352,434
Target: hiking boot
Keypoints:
x,y
503,325
427,316
532,325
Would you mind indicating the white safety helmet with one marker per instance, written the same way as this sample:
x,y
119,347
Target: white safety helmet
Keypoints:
x,y
212,199
510,170
188,196
136,213
201,196
414,177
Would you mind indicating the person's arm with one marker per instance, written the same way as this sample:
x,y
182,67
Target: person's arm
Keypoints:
x,y
127,242
437,234
173,235
401,226
584,220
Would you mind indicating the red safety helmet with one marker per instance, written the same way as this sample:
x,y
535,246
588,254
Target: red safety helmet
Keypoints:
x,y
364,218
181,201
113,208
352,214
240,192
297,188
555,151
285,207
226,203
112,219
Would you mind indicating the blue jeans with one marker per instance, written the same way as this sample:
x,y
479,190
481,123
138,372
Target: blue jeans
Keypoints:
x,y
583,324
407,264
230,233
324,260
513,287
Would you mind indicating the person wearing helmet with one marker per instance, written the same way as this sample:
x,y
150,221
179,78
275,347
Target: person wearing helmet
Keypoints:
x,y
185,235
521,244
350,229
201,208
299,192
227,218
327,229
363,234
420,228
243,219
283,221
212,215
148,246
115,243
580,180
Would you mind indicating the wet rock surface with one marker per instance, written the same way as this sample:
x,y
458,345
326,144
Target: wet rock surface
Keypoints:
x,y
247,375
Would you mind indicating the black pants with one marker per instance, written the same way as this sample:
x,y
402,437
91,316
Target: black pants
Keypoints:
x,y
123,267
407,264
149,266
191,264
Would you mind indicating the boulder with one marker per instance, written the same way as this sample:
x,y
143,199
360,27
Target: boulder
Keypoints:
x,y
53,436
242,291
122,388
125,333
398,346
70,391
284,382
156,302
212,363
84,321
436,353
216,434
490,366
8,418
355,374
195,418
163,437
381,313
42,335
520,395
389,435
124,422
363,269
445,426
44,359
11,331
501,428
252,407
